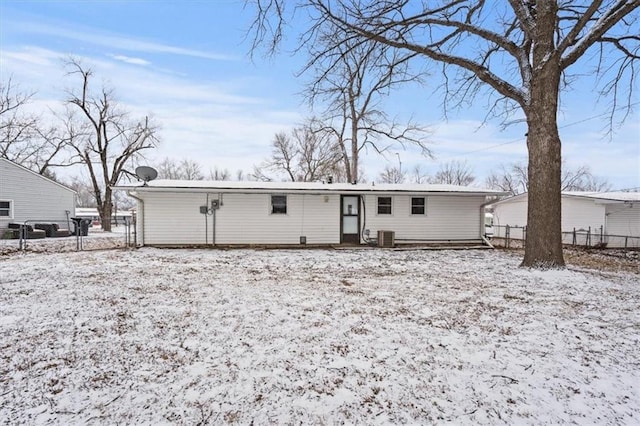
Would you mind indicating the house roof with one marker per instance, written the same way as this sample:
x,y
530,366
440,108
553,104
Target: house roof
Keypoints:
x,y
18,166
606,196
168,185
597,197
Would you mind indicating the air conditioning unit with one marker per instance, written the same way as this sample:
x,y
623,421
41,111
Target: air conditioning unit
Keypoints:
x,y
386,238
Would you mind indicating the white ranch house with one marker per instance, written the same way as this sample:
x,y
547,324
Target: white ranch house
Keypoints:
x,y
26,196
181,213
614,214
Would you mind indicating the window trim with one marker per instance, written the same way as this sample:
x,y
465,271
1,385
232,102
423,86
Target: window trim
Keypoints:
x,y
10,216
424,206
384,205
272,211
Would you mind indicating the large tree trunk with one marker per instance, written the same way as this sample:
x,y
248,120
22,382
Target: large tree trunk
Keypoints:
x,y
544,221
105,211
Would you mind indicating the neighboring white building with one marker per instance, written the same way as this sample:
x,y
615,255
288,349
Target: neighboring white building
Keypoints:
x,y
29,196
117,218
172,212
617,214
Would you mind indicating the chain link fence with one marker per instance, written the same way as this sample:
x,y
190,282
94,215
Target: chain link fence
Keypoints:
x,y
516,236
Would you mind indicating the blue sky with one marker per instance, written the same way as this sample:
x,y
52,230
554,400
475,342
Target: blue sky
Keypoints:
x,y
187,64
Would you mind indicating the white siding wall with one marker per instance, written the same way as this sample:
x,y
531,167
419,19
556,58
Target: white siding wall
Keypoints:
x,y
623,220
174,218
447,218
576,213
580,213
512,213
34,197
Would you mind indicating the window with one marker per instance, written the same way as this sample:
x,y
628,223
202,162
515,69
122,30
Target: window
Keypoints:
x,y
384,205
417,205
278,204
5,209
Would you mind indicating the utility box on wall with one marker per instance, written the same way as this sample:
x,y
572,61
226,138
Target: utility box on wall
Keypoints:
x,y
386,238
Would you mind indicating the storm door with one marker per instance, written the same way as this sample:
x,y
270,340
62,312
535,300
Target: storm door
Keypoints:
x,y
350,208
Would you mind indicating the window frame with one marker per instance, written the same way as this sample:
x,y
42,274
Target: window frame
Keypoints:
x,y
8,209
390,205
423,206
274,206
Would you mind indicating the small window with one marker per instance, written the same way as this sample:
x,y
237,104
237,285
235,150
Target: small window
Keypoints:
x,y
5,209
384,205
278,204
417,205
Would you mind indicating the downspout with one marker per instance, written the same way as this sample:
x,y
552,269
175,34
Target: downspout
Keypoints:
x,y
214,221
68,212
482,222
140,215
206,223
363,236
213,225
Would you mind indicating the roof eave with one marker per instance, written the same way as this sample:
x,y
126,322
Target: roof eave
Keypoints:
x,y
319,191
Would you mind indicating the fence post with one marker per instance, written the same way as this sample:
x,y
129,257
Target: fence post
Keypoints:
x,y
507,234
601,231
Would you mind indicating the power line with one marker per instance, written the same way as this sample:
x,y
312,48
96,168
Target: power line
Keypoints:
x,y
584,120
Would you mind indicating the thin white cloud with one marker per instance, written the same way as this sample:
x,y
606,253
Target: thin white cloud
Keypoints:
x,y
130,60
213,122
113,42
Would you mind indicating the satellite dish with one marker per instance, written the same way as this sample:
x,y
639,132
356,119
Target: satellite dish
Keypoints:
x,y
146,173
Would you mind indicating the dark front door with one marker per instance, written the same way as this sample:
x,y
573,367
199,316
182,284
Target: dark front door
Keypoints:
x,y
350,208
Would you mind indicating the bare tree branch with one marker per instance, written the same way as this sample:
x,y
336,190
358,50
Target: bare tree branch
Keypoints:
x,y
518,52
104,138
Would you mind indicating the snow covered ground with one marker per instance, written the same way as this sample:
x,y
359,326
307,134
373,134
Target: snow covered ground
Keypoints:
x,y
361,336
95,240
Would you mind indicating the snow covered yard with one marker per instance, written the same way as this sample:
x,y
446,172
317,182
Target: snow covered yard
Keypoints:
x,y
314,337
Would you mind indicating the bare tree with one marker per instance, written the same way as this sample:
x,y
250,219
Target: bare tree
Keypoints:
x,y
352,82
104,138
260,173
514,179
418,175
85,194
391,175
16,126
185,169
306,154
454,173
581,179
594,184
517,52
190,170
167,169
219,174
23,137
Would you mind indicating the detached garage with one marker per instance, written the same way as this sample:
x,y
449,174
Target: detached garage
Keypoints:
x,y
615,214
181,213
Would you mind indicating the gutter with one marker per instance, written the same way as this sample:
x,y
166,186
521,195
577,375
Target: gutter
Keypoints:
x,y
140,216
315,191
